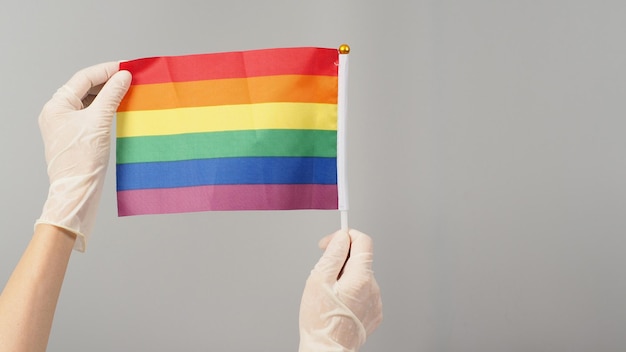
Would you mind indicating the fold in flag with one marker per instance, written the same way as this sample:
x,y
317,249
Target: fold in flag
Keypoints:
x,y
248,130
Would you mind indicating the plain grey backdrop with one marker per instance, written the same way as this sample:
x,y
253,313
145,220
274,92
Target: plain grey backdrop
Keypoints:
x,y
486,159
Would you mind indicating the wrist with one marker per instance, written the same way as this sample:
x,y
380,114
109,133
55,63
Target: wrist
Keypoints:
x,y
54,235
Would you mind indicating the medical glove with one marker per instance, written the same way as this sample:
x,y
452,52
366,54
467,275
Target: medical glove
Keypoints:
x,y
76,130
341,304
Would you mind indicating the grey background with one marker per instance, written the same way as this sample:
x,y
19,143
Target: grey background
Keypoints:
x,y
486,159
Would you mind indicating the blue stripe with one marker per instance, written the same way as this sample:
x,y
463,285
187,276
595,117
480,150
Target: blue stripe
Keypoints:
x,y
227,171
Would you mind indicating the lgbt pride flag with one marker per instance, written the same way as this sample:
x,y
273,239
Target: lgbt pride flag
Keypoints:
x,y
248,130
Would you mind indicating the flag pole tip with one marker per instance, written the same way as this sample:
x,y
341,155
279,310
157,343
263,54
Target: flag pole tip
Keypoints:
x,y
344,49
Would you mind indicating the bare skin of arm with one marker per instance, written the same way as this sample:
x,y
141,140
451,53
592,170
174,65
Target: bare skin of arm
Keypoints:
x,y
29,299
75,127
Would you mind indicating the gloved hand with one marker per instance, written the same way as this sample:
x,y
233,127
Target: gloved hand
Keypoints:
x,y
341,304
76,130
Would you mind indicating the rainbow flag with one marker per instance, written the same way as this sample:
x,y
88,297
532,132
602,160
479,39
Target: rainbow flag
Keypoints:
x,y
248,130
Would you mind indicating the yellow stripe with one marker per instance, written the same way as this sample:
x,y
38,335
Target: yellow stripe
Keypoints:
x,y
227,118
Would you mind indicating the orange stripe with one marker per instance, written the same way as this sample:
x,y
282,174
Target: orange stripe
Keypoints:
x,y
287,88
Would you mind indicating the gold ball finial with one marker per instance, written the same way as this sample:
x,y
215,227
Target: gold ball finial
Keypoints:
x,y
344,49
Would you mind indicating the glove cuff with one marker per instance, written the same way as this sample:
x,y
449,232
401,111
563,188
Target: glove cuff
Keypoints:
x,y
72,204
81,239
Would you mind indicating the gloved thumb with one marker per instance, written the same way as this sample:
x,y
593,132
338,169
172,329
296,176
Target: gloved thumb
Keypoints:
x,y
112,93
333,259
361,255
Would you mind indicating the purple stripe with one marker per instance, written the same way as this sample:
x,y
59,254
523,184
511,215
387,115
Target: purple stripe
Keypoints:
x,y
226,197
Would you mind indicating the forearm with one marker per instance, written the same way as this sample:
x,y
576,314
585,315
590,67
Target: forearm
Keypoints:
x,y
29,299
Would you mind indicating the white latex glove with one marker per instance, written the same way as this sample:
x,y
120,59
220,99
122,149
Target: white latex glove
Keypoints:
x,y
339,309
76,130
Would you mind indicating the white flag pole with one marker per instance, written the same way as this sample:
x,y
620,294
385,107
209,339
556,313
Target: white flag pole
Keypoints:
x,y
342,115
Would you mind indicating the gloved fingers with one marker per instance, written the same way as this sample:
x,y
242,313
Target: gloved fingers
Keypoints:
x,y
359,265
85,79
323,243
334,257
110,95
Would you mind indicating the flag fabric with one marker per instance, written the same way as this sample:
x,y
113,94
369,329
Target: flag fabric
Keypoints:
x,y
247,130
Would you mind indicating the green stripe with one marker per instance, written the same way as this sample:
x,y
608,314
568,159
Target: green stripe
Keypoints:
x,y
250,143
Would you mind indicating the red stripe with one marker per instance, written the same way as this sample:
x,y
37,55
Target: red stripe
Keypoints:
x,y
238,64
230,197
